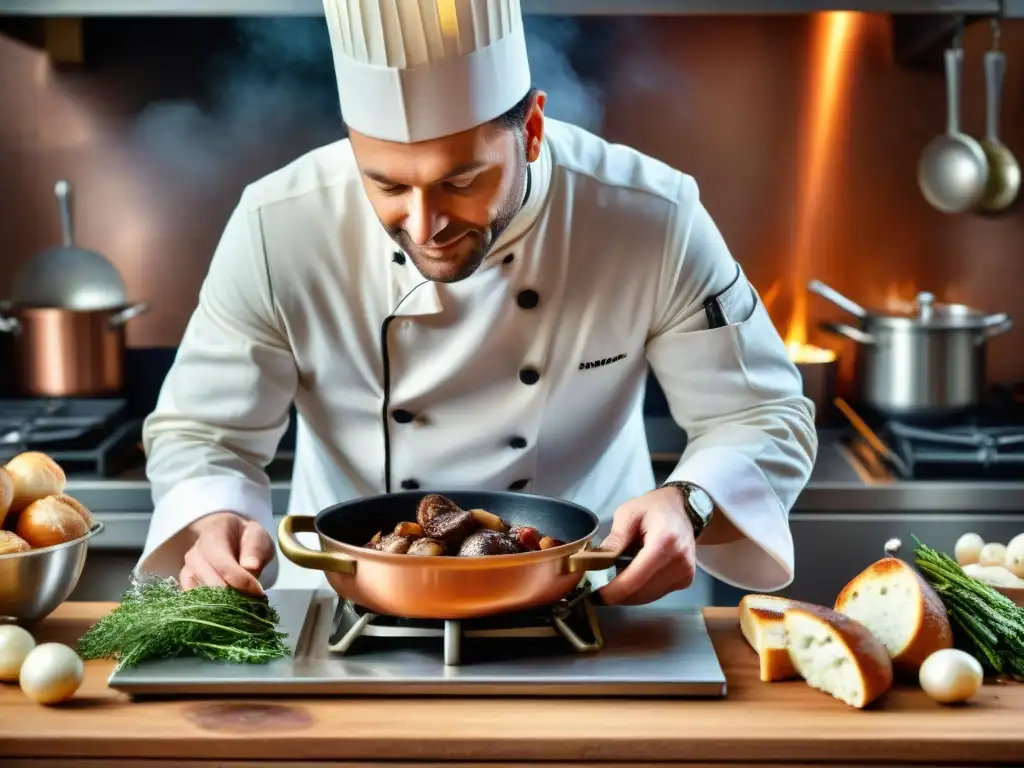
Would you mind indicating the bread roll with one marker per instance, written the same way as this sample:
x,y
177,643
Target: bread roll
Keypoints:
x,y
12,543
50,521
837,655
35,477
763,626
6,493
78,507
901,609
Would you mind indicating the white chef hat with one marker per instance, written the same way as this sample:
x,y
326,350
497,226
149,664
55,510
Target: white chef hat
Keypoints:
x,y
414,70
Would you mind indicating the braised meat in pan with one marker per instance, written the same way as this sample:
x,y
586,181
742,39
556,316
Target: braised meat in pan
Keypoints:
x,y
442,528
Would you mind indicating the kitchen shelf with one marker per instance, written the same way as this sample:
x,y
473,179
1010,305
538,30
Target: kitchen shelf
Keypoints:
x,y
83,8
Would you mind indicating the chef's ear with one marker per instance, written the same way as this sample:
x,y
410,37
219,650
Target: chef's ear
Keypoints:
x,y
534,132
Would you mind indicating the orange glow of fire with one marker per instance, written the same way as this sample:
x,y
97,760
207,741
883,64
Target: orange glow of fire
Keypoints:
x,y
901,297
832,55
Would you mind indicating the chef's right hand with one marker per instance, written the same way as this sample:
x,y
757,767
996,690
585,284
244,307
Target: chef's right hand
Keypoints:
x,y
230,550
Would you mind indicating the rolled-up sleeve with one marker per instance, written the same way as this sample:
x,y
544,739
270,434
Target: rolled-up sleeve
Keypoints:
x,y
224,405
730,384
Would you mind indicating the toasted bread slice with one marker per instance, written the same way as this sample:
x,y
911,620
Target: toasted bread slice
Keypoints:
x,y
762,624
837,655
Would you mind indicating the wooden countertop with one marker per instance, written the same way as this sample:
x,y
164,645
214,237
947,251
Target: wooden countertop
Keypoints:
x,y
756,723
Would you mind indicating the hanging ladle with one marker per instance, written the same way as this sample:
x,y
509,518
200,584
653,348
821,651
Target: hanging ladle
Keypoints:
x,y
1003,169
952,171
855,309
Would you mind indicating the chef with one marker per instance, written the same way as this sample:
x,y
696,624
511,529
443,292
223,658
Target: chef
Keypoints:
x,y
467,294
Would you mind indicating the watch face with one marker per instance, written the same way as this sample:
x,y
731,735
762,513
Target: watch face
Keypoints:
x,y
700,502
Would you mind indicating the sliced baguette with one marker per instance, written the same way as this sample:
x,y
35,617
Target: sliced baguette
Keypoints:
x,y
763,626
901,609
837,655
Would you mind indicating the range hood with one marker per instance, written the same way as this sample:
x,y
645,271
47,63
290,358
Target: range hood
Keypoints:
x,y
85,8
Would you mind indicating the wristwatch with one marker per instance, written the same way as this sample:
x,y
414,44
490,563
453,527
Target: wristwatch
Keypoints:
x,y
698,505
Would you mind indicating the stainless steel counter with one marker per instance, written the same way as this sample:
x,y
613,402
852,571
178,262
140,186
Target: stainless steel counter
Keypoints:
x,y
836,485
839,524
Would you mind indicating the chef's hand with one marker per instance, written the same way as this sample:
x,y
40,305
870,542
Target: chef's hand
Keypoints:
x,y
229,551
665,562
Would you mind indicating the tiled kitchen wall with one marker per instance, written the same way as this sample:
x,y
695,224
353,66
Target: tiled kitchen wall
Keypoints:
x,y
168,119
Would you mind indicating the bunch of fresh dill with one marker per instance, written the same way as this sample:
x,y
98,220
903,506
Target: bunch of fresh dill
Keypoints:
x,y
158,620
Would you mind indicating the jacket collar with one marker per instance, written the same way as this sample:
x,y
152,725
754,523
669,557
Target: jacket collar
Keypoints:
x,y
414,295
537,188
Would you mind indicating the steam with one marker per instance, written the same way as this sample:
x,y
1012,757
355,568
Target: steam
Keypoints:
x,y
570,98
278,83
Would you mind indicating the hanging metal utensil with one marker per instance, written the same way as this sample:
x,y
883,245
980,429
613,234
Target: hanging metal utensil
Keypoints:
x,y
952,171
68,277
1003,169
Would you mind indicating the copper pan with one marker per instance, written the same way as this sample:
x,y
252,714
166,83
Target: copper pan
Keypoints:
x,y
448,587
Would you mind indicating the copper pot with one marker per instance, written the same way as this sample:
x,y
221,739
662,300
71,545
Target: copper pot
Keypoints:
x,y
447,587
68,353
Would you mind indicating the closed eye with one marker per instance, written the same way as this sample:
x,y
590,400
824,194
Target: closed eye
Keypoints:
x,y
391,189
462,184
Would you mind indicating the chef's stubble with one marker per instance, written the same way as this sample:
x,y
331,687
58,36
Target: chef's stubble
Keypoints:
x,y
484,239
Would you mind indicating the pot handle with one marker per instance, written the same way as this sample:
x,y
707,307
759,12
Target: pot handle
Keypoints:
x,y
996,325
128,313
332,562
601,559
849,332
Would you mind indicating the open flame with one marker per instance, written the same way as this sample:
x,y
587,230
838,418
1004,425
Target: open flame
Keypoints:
x,y
832,54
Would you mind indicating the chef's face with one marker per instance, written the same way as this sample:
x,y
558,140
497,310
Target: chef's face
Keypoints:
x,y
446,201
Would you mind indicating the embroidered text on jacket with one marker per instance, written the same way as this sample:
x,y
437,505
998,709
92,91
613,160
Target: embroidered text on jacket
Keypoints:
x,y
603,361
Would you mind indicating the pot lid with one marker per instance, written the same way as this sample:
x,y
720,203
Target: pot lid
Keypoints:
x,y
934,315
69,278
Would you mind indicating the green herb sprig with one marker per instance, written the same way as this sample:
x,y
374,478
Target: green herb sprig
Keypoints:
x,y
986,623
158,620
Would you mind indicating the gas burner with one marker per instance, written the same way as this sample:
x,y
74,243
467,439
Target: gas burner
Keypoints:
x,y
568,624
987,444
990,450
81,435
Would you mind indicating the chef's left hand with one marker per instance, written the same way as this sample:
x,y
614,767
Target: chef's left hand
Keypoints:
x,y
665,562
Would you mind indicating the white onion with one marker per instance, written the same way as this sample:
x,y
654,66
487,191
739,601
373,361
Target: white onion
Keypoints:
x,y
951,676
968,548
51,673
15,644
992,553
1015,556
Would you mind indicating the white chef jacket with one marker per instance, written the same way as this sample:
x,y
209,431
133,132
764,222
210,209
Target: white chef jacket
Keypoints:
x,y
528,375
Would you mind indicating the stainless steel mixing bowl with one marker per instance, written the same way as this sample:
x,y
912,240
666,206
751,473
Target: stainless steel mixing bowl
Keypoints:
x,y
33,584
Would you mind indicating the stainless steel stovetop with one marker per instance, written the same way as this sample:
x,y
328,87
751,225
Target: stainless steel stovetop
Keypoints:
x,y
340,650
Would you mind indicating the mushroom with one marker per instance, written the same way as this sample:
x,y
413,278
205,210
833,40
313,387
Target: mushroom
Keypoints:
x,y
441,518
529,537
487,542
395,544
427,547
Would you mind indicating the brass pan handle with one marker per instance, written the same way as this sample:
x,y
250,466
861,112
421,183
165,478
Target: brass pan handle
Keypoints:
x,y
332,562
598,559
